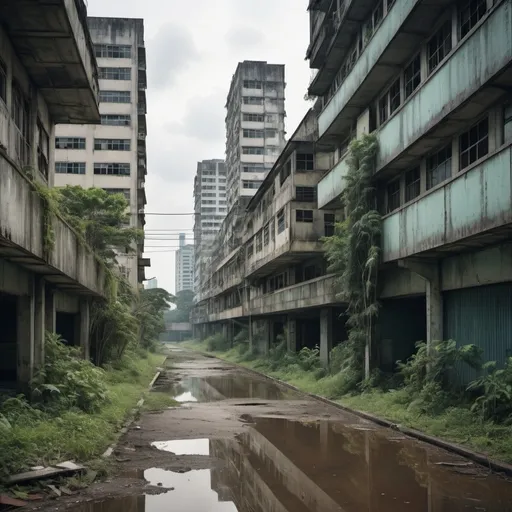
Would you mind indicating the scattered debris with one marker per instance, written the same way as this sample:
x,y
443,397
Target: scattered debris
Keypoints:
x,y
12,502
55,490
50,471
454,464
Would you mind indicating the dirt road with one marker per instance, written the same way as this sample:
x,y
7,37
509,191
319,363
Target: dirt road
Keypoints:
x,y
241,443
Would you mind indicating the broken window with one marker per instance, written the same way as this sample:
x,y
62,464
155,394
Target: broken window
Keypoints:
x,y
285,172
439,167
412,76
439,46
113,169
115,97
412,184
69,143
470,13
112,144
281,223
474,144
304,216
3,81
115,73
507,123
305,162
329,222
70,167
393,192
305,194
113,51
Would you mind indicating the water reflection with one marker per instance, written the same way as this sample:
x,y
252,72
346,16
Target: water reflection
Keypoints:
x,y
214,388
320,466
184,446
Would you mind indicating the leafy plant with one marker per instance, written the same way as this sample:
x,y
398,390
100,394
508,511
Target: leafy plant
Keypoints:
x,y
353,253
495,387
67,380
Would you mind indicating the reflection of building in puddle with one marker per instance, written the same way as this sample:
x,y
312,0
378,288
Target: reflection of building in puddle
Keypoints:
x,y
213,388
126,504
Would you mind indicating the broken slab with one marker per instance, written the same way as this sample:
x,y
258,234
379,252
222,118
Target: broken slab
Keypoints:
x,y
39,474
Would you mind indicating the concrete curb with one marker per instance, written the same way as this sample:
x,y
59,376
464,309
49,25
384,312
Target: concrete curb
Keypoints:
x,y
110,450
479,458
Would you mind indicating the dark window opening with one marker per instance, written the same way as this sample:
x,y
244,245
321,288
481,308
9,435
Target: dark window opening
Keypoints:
x,y
393,191
412,184
305,162
439,167
439,46
412,76
304,216
305,194
329,222
470,13
474,144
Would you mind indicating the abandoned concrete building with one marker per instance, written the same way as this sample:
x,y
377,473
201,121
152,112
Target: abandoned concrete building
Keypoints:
x,y
44,285
433,81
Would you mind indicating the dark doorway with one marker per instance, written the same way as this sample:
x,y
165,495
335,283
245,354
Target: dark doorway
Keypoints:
x,y
308,333
8,341
66,327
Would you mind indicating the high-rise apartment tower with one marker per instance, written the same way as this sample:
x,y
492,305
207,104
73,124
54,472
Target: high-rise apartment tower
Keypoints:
x,y
112,155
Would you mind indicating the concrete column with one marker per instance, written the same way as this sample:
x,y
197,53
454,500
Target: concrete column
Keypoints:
x,y
264,333
431,273
291,334
25,342
50,320
85,324
251,334
39,320
325,335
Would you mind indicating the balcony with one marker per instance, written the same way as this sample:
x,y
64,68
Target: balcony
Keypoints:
x,y
344,24
396,40
462,83
53,43
317,292
142,80
474,209
316,53
68,264
331,186
141,57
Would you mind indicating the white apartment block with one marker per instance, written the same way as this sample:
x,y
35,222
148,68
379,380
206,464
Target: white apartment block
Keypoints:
x,y
210,206
184,266
112,155
255,134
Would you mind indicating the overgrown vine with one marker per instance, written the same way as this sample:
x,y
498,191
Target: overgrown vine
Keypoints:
x,y
353,254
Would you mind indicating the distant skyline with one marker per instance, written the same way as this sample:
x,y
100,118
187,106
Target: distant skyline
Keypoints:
x,y
191,60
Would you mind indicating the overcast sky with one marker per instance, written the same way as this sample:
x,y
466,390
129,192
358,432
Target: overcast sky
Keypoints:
x,y
192,52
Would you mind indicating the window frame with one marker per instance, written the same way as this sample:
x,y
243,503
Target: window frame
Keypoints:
x,y
113,51
436,167
117,117
122,97
304,162
416,74
79,167
305,194
443,47
76,143
471,23
391,206
300,216
112,145
120,169
115,73
412,184
478,125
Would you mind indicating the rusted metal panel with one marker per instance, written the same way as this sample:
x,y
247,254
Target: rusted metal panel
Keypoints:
x,y
480,316
475,202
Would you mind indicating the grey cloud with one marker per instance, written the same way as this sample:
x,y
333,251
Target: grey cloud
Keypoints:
x,y
170,52
204,119
244,37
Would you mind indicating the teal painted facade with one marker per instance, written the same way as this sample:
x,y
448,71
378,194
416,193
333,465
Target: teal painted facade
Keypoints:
x,y
475,201
332,185
481,316
483,54
371,54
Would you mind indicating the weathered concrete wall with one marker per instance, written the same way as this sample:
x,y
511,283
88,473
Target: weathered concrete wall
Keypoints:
x,y
314,293
21,224
14,280
65,303
471,203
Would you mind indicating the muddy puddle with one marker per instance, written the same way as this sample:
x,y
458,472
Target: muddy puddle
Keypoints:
x,y
322,466
229,386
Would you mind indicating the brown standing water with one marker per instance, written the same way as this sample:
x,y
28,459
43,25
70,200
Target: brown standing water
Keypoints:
x,y
241,443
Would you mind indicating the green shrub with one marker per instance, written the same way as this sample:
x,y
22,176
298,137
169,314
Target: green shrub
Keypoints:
x,y
217,343
67,380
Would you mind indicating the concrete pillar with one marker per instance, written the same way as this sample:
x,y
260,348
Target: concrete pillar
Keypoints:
x,y
264,334
25,342
291,334
325,335
84,331
431,273
251,337
50,320
39,320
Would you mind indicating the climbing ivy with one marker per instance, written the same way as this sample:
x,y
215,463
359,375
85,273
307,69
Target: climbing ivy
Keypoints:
x,y
353,254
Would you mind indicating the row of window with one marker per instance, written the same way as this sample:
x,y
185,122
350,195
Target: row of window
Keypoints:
x,y
99,144
251,184
113,51
473,144
268,133
115,120
113,169
258,150
115,97
115,73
